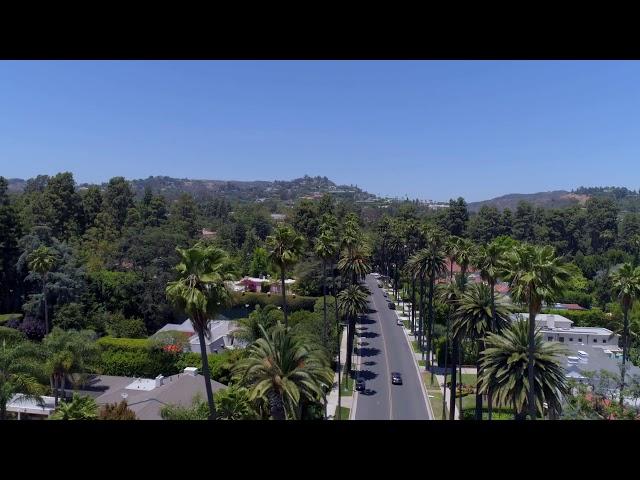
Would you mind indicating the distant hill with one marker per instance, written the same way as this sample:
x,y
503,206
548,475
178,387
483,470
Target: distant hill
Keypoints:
x,y
555,199
171,188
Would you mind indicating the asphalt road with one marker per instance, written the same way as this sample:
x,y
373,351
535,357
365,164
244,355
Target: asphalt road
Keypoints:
x,y
384,349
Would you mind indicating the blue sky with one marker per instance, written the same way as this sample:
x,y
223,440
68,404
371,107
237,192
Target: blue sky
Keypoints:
x,y
426,129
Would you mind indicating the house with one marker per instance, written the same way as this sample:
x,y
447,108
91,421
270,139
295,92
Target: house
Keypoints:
x,y
208,233
146,397
582,359
253,284
220,335
565,306
278,217
276,287
556,328
26,408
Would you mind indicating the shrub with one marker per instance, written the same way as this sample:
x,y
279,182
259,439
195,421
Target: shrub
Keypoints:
x,y
120,326
33,328
5,317
70,316
253,299
117,411
583,318
11,335
220,365
132,357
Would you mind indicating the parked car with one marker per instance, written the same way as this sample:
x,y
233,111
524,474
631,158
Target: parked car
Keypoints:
x,y
360,385
396,378
399,322
385,294
379,285
392,305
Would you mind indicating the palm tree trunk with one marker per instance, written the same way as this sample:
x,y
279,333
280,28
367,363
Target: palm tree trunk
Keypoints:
x,y
335,298
349,345
454,383
460,350
207,375
46,309
284,299
421,327
276,405
413,306
54,387
493,316
446,353
532,333
427,364
478,394
625,352
324,302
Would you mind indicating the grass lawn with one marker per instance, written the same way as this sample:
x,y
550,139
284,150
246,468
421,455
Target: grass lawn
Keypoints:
x,y
346,386
5,317
414,344
344,414
407,324
422,363
433,390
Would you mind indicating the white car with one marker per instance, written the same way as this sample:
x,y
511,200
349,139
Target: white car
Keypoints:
x,y
399,322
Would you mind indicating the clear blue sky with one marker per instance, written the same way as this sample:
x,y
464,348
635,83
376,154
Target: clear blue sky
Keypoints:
x,y
425,129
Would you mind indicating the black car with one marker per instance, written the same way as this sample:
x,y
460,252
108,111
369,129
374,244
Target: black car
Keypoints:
x,y
392,305
379,285
396,378
384,293
360,385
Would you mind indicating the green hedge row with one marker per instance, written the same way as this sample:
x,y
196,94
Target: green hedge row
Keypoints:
x,y
10,335
262,299
594,317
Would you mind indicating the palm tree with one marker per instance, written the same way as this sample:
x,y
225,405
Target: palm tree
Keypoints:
x,y
281,369
285,247
489,260
505,361
354,263
68,352
42,261
477,315
464,254
353,302
451,249
626,282
325,250
200,292
233,404
248,329
448,294
80,407
535,275
20,368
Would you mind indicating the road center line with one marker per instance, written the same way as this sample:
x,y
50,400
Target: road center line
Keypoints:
x,y
386,354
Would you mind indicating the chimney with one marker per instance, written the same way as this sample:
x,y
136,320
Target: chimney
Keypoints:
x,y
193,371
159,381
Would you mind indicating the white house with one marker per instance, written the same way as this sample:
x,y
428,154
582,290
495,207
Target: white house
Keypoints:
x,y
556,328
219,339
29,408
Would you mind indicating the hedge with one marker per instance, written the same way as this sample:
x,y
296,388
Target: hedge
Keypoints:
x,y
113,343
498,413
293,303
594,317
134,357
11,335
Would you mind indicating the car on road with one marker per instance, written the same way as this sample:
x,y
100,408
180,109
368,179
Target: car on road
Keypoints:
x,y
385,294
399,322
360,385
392,305
396,378
379,285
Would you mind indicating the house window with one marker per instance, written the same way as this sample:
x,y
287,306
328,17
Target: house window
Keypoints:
x,y
570,339
604,341
580,340
595,340
550,339
561,339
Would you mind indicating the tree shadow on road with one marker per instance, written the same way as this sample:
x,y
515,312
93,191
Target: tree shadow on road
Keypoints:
x,y
366,375
366,321
368,334
369,363
367,352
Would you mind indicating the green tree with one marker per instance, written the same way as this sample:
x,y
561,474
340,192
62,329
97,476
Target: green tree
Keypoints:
x,y
285,247
248,329
42,261
523,222
233,404
535,276
504,362
20,369
201,293
626,283
10,232
117,200
457,217
325,249
117,411
281,370
80,407
478,314
199,410
352,302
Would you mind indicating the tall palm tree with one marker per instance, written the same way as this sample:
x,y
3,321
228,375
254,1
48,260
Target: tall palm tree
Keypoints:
x,y
201,292
477,315
451,249
505,361
626,282
353,302
285,247
535,275
42,261
68,352
325,250
281,369
354,263
464,254
20,368
490,262
80,407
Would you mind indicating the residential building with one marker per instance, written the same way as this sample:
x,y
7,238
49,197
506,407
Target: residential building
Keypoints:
x,y
146,397
27,408
220,335
556,328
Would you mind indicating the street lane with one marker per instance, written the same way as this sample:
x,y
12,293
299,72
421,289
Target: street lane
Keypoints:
x,y
384,349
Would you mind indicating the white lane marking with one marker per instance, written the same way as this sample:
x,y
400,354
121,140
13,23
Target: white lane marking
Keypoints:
x,y
386,355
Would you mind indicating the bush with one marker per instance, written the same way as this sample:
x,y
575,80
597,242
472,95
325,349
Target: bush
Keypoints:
x,y
132,357
253,299
581,298
11,335
70,316
5,317
220,365
498,413
120,326
32,327
583,318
